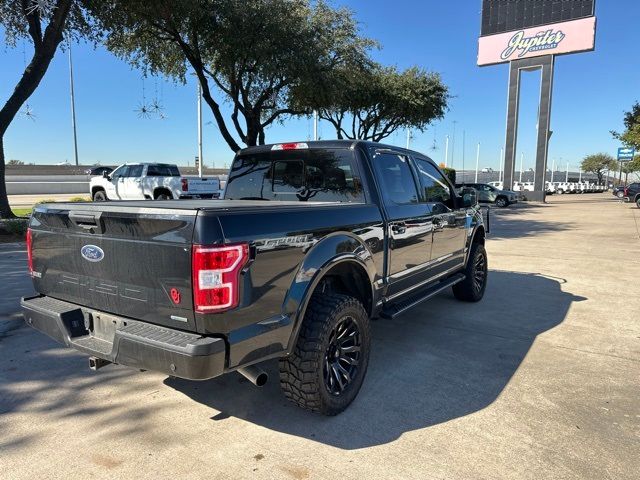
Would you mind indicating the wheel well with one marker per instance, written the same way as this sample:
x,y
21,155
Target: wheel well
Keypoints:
x,y
479,236
161,190
96,189
348,278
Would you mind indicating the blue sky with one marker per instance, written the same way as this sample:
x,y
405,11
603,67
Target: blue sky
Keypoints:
x,y
591,91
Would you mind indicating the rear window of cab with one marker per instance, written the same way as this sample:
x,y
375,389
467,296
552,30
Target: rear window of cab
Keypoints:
x,y
315,175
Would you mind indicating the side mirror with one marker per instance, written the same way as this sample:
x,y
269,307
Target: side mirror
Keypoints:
x,y
105,174
469,197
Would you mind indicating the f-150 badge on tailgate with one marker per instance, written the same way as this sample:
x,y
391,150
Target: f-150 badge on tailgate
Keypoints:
x,y
92,253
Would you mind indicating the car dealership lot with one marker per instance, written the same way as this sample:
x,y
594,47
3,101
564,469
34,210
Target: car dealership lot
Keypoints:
x,y
539,380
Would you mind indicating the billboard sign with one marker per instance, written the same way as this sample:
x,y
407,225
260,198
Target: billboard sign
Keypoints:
x,y
626,154
554,39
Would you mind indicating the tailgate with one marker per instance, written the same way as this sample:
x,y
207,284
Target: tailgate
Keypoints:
x,y
127,260
202,185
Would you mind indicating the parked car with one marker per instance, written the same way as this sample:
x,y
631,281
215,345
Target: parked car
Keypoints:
x,y
196,290
490,194
550,188
93,171
632,193
618,191
155,181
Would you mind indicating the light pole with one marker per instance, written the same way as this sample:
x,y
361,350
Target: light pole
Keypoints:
x,y
463,147
73,105
200,159
315,125
566,178
446,151
453,143
477,161
408,138
500,163
552,169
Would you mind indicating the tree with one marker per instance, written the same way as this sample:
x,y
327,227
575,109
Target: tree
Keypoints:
x,y
598,164
368,101
632,167
44,23
631,120
15,162
254,53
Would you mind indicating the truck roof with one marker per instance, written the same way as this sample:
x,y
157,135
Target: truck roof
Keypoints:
x,y
315,144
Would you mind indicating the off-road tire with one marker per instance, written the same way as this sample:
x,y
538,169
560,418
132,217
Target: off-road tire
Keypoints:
x,y
302,377
638,202
100,196
468,290
164,196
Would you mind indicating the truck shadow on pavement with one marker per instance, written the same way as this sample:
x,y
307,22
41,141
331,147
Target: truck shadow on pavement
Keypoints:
x,y
438,362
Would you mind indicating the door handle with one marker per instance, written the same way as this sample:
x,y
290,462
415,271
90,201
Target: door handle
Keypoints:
x,y
399,229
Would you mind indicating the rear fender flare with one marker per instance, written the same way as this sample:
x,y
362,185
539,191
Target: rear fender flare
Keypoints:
x,y
332,250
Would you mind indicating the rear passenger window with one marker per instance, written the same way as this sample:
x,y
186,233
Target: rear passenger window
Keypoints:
x,y
396,179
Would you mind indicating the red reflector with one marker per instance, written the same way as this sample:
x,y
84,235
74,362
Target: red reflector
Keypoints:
x,y
185,184
30,251
216,276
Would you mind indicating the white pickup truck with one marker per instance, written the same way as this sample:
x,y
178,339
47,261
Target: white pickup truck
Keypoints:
x,y
153,181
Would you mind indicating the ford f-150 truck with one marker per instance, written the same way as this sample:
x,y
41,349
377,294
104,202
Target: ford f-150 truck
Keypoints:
x,y
311,241
152,181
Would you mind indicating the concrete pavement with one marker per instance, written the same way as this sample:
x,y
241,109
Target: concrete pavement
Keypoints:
x,y
539,380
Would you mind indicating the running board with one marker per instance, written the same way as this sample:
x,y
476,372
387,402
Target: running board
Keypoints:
x,y
395,309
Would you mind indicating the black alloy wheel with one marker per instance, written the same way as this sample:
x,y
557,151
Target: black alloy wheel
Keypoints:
x,y
479,273
342,356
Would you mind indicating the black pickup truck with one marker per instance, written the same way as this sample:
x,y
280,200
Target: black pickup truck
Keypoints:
x,y
311,241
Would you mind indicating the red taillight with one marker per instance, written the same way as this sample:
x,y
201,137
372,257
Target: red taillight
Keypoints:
x,y
185,184
290,146
29,251
216,276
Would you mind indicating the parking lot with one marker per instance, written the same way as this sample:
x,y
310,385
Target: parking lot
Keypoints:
x,y
539,380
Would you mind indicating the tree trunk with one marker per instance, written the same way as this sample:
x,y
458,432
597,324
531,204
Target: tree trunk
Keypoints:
x,y
5,209
45,49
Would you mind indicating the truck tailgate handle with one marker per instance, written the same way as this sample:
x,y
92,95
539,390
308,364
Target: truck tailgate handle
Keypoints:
x,y
87,220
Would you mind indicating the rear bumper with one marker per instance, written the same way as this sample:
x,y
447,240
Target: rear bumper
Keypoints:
x,y
127,342
205,196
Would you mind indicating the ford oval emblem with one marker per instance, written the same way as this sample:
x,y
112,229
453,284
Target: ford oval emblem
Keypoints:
x,y
92,253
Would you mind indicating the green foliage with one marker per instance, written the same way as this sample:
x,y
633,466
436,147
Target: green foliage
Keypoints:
x,y
368,101
15,162
450,173
46,200
631,167
79,199
631,120
15,227
253,52
598,163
